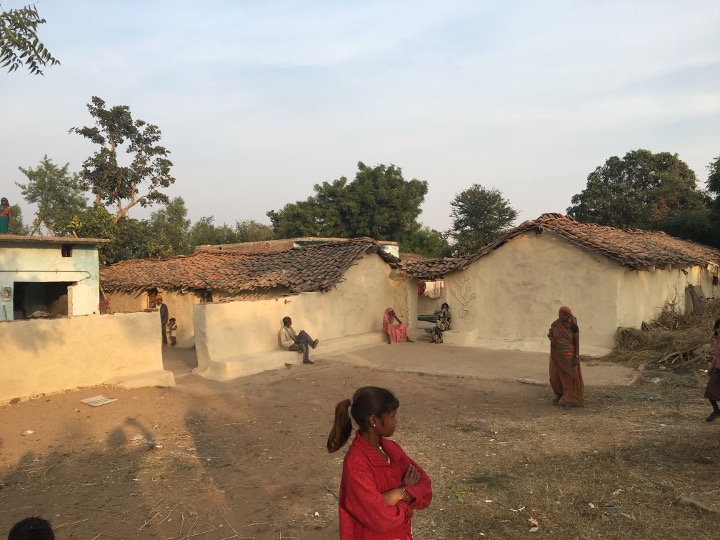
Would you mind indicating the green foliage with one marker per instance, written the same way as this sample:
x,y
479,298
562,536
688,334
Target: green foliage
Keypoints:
x,y
713,181
19,43
170,230
426,242
129,238
644,190
251,231
17,226
59,196
480,215
379,204
204,232
113,183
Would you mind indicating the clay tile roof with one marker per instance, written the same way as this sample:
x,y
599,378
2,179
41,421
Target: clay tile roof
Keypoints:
x,y
311,268
633,248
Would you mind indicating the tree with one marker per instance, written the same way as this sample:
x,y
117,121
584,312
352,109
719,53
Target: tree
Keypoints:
x,y
641,190
379,204
58,195
112,183
17,226
129,238
205,232
170,230
479,215
19,42
713,181
251,231
426,242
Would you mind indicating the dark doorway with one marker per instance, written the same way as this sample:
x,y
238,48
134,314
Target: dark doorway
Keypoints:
x,y
49,297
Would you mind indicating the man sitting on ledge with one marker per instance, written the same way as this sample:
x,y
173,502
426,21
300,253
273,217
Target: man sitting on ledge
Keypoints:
x,y
296,342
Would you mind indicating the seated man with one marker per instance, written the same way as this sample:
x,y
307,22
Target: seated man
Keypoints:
x,y
296,342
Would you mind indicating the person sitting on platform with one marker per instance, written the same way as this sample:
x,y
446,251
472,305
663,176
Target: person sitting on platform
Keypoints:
x,y
296,342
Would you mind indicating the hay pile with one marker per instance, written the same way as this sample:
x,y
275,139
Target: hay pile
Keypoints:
x,y
673,339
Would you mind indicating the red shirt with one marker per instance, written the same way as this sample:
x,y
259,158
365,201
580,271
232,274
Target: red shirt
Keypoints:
x,y
364,514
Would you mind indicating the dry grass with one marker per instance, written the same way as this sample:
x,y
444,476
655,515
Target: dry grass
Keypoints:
x,y
672,339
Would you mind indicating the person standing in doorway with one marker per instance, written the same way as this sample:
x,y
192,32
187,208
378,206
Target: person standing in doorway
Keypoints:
x,y
164,317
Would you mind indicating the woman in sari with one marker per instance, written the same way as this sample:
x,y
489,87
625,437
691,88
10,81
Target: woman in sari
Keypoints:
x,y
394,332
565,374
5,216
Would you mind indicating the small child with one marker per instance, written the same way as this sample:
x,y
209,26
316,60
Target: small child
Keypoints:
x,y
172,328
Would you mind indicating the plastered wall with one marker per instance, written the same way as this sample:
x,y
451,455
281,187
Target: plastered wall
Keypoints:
x,y
233,329
180,305
509,298
50,355
45,263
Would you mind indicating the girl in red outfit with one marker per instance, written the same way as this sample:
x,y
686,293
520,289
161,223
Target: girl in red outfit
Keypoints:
x,y
381,485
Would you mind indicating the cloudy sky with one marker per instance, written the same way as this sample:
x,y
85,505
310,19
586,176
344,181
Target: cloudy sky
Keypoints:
x,y
260,100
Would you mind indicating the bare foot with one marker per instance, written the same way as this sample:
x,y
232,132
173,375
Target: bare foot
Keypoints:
x,y
556,400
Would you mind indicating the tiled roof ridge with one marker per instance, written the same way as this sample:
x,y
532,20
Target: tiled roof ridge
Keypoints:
x,y
317,267
632,248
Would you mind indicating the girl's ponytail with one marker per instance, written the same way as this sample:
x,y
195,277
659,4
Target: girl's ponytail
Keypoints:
x,y
340,432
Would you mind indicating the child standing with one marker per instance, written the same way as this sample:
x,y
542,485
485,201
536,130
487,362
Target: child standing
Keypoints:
x,y
172,328
381,485
712,390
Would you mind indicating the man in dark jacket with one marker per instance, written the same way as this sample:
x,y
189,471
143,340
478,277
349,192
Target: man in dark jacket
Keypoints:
x,y
164,315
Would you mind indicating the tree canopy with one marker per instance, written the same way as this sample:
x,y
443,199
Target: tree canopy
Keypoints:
x,y
19,42
646,191
115,184
58,194
378,203
479,215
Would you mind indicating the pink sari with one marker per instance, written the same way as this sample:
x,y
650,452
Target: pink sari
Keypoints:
x,y
396,332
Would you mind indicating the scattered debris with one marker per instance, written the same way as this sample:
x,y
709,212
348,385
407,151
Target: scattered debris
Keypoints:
x,y
684,501
97,401
27,432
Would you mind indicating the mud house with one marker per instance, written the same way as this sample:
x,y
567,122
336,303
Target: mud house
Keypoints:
x,y
230,303
56,276
54,337
507,294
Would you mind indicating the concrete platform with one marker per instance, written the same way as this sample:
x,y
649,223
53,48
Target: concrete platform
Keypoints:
x,y
370,350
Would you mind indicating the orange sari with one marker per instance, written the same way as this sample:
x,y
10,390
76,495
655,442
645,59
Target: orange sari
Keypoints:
x,y
565,378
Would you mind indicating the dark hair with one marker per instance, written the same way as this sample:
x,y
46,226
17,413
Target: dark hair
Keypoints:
x,y
366,402
717,324
32,528
445,304
286,320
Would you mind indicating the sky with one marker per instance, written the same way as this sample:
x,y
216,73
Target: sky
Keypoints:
x,y
258,101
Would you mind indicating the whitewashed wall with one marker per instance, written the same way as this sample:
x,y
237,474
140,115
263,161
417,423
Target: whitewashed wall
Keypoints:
x,y
42,356
180,305
45,263
509,298
230,330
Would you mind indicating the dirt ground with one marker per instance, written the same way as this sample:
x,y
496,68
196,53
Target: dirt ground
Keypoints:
x,y
247,458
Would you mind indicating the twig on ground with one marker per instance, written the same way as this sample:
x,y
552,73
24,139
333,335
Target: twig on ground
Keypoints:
x,y
170,512
331,492
72,523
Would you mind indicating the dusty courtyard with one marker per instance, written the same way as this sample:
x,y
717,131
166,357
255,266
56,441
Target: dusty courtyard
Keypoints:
x,y
247,459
